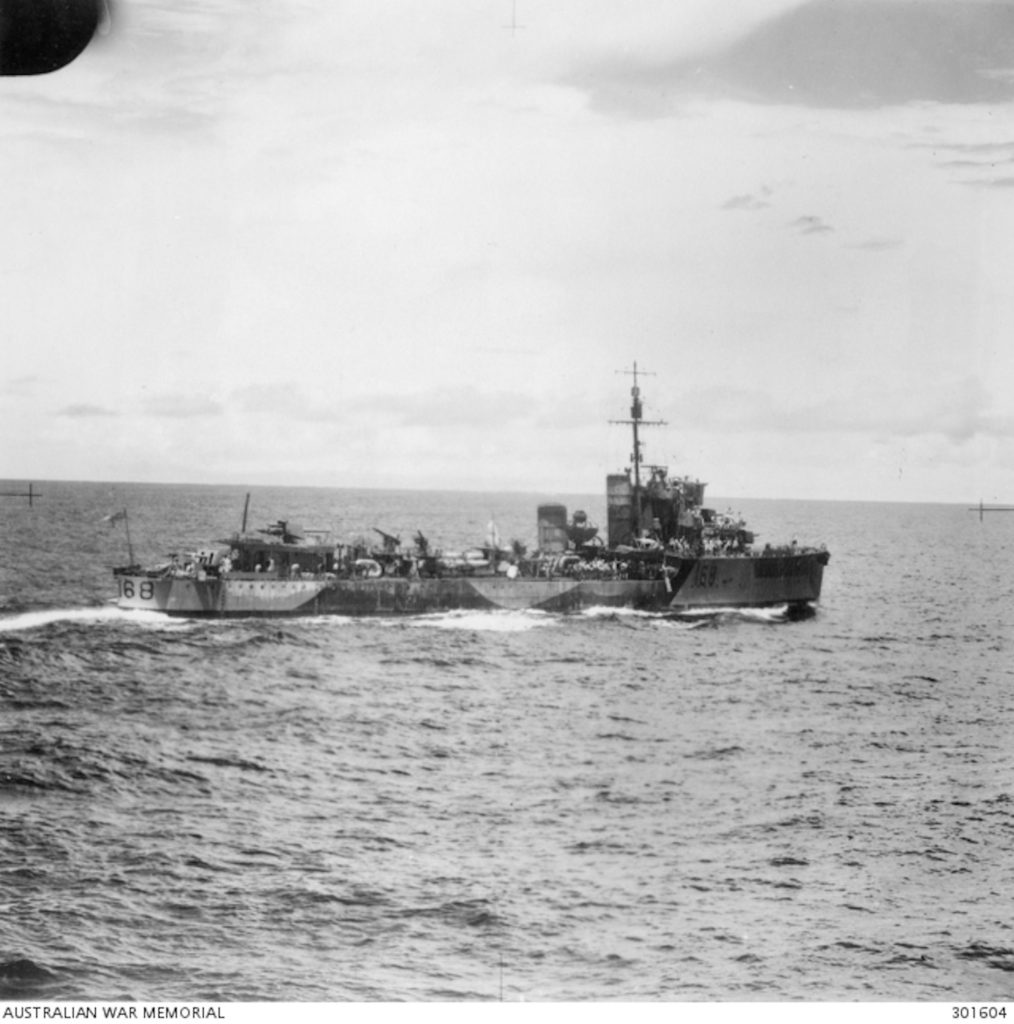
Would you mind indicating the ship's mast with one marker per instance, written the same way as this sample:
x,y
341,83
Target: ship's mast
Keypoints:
x,y
637,420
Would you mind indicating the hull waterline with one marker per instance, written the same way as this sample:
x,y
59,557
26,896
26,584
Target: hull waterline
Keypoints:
x,y
692,584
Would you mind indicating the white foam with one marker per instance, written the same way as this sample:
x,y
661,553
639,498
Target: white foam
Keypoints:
x,y
487,622
774,613
86,616
604,611
665,619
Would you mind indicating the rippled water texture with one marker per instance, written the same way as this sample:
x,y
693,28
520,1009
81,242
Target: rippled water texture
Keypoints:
x,y
609,807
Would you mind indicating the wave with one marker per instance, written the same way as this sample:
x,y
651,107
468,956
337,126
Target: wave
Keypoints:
x,y
485,621
605,611
695,618
88,616
774,614
22,978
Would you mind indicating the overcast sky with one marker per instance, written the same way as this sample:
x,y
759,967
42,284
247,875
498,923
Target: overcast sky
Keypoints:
x,y
404,244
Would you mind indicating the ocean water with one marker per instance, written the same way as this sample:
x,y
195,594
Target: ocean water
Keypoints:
x,y
505,806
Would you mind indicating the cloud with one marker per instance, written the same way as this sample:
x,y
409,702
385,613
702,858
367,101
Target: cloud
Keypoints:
x,y
20,387
955,410
83,410
181,406
453,408
811,225
976,164
745,202
1005,149
440,407
992,183
287,400
845,54
878,244
986,157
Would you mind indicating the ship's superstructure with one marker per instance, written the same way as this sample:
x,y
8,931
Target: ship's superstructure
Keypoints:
x,y
664,552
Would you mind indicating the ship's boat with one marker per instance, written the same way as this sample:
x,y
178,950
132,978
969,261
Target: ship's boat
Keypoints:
x,y
664,551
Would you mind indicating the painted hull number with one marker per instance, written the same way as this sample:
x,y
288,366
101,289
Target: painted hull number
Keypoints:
x,y
705,574
143,591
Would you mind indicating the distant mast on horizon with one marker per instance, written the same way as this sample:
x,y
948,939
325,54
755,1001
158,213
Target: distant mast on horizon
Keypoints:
x,y
31,494
982,508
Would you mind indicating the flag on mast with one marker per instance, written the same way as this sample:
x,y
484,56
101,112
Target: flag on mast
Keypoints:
x,y
493,535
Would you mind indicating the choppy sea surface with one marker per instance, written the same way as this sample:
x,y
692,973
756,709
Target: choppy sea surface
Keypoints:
x,y
505,806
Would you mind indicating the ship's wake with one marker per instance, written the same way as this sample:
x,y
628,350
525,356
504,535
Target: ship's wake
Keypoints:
x,y
109,615
632,616
605,611
486,621
768,615
697,617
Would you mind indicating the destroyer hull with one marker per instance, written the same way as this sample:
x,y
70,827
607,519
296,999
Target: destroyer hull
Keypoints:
x,y
690,584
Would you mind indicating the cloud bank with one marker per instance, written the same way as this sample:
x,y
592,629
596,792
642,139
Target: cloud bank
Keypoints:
x,y
847,54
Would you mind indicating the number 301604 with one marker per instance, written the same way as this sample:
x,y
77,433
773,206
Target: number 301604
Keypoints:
x,y
979,1013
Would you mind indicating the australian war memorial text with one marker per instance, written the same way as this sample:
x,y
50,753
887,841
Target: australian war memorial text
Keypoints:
x,y
70,1012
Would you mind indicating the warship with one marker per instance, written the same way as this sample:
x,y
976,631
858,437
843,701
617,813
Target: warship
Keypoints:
x,y
664,552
